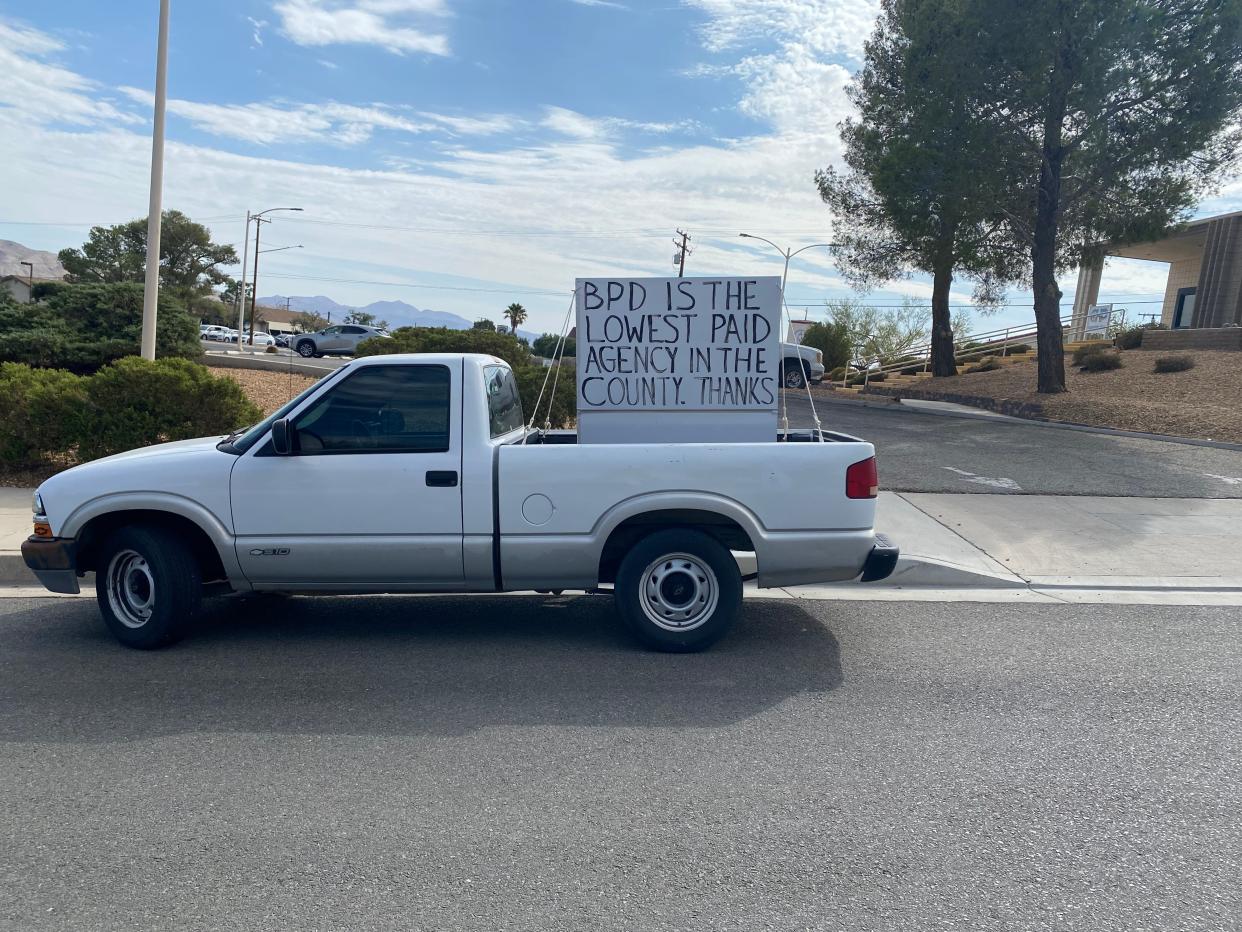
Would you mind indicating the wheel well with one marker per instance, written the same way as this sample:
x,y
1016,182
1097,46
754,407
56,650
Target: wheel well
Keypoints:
x,y
93,534
626,534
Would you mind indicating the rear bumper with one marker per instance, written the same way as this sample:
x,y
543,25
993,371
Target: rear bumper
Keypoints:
x,y
54,562
881,561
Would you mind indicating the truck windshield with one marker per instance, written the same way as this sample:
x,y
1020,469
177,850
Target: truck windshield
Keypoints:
x,y
250,436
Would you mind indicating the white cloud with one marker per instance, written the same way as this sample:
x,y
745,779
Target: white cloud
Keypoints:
x,y
44,91
384,23
257,26
604,3
579,126
276,122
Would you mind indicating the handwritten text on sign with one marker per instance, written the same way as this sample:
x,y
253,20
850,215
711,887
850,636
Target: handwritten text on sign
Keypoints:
x,y
681,344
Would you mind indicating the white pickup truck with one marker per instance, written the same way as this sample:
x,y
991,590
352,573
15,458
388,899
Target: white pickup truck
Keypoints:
x,y
416,474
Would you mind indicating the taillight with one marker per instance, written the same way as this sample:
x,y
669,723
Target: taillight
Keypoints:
x,y
861,480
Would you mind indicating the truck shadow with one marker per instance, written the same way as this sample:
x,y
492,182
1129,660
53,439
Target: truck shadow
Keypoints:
x,y
396,666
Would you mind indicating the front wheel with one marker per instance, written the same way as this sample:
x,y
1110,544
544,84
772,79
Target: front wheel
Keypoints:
x,y
795,376
679,590
148,586
306,349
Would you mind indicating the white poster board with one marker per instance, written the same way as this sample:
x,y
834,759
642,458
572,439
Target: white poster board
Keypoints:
x,y
1099,316
690,360
797,330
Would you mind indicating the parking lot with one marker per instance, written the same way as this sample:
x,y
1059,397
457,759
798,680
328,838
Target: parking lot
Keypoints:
x,y
514,762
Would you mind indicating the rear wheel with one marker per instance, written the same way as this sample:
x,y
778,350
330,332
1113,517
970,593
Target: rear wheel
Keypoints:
x,y
148,586
679,590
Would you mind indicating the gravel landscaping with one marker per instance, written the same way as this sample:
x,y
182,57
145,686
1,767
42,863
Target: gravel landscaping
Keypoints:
x,y
268,389
1204,402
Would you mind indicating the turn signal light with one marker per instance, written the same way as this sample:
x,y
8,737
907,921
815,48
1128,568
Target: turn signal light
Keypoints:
x,y
42,529
861,480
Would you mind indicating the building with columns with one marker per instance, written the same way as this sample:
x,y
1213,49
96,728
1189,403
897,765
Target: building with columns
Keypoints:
x,y
1204,288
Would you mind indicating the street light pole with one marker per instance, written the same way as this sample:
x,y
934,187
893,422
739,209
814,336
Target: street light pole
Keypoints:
x,y
151,289
241,309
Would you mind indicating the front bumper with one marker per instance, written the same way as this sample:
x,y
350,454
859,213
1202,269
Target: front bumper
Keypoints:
x,y
54,562
881,561
817,372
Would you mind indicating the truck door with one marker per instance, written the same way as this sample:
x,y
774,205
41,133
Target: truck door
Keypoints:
x,y
370,496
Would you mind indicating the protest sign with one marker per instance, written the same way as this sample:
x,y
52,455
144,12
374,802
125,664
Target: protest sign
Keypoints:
x,y
667,359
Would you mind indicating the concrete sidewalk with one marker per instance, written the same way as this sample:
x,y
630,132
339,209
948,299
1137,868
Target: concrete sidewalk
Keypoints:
x,y
986,543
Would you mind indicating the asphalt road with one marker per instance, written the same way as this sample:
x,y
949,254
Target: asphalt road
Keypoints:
x,y
924,452
515,763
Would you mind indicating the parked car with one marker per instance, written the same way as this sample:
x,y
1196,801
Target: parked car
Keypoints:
x,y
261,338
337,340
223,335
801,364
212,331
282,340
497,508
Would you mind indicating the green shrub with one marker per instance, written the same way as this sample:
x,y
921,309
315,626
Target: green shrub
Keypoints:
x,y
443,340
1173,363
988,364
41,413
1132,337
837,374
1101,362
1017,349
1089,349
563,404
135,402
84,327
911,370
832,340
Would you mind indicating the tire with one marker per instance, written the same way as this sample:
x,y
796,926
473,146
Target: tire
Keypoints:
x,y
306,349
678,590
795,375
148,586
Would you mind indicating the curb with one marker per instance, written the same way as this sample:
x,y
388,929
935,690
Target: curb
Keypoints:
x,y
282,364
943,574
13,570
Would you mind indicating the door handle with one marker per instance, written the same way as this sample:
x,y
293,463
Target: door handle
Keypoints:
x,y
442,478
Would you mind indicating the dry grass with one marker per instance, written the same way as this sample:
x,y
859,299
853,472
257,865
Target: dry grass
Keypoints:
x,y
1204,402
269,390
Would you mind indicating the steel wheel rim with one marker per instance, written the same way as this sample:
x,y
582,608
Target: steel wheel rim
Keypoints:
x,y
678,592
793,379
131,588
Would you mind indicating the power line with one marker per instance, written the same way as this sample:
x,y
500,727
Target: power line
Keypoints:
x,y
364,281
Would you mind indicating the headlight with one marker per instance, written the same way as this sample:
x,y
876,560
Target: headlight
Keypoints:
x,y
819,357
37,505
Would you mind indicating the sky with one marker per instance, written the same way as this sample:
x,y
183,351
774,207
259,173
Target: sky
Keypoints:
x,y
459,154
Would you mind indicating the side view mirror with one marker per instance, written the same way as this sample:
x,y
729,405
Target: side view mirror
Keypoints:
x,y
282,437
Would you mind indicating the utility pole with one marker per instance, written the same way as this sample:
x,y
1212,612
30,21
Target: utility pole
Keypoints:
x,y
241,284
683,247
254,298
151,290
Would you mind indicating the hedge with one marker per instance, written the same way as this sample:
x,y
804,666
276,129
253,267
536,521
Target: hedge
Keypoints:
x,y
49,415
84,327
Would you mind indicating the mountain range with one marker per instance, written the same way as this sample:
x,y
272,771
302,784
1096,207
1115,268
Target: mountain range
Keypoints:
x,y
12,255
397,313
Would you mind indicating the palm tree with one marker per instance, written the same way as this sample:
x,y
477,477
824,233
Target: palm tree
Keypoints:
x,y
516,315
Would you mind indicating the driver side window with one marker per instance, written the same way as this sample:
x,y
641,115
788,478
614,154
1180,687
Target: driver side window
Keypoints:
x,y
380,409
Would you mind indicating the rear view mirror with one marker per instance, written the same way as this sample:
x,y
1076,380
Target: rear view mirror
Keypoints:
x,y
282,437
